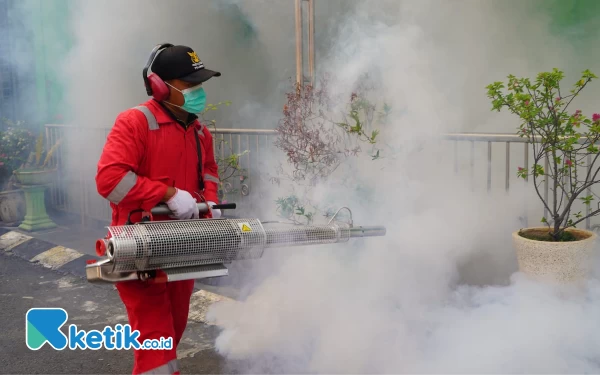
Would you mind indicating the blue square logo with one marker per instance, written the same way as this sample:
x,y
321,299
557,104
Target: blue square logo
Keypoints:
x,y
43,326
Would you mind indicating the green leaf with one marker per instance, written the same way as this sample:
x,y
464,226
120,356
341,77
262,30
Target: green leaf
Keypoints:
x,y
374,134
538,170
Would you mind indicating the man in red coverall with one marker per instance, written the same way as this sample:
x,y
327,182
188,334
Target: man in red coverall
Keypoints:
x,y
159,152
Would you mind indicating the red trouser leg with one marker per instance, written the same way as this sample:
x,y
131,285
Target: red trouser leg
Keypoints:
x,y
157,310
180,293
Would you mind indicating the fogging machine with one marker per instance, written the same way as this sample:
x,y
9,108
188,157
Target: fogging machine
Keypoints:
x,y
163,251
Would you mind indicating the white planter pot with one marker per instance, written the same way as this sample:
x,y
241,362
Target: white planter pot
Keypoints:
x,y
562,262
12,207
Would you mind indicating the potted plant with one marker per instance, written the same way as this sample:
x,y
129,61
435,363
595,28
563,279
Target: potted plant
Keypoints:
x,y
12,202
15,144
322,134
565,153
34,175
37,170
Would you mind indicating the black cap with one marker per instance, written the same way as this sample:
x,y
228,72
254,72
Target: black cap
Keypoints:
x,y
181,62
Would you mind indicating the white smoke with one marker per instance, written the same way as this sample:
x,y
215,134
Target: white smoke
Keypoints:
x,y
440,293
113,39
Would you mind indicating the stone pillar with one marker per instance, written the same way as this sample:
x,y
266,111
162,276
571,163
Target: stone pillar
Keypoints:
x,y
36,217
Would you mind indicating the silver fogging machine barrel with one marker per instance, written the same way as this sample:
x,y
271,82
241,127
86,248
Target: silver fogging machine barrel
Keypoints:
x,y
163,251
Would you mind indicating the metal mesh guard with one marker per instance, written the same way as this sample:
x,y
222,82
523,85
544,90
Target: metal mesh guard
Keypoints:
x,y
298,235
163,245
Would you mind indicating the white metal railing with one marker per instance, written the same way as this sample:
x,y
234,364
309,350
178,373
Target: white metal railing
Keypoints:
x,y
76,192
508,139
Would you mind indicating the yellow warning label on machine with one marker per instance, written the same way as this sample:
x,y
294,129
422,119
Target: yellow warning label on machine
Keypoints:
x,y
245,227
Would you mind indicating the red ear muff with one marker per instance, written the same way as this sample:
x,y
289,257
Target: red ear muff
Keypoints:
x,y
160,90
155,86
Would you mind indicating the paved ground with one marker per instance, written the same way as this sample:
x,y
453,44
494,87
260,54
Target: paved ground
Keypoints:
x,y
25,285
70,233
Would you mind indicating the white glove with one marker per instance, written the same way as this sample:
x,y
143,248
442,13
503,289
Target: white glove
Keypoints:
x,y
216,213
183,205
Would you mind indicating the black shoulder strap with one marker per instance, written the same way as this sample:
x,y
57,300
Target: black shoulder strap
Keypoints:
x,y
200,179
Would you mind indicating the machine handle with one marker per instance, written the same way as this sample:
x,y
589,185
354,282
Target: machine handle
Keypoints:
x,y
203,207
225,206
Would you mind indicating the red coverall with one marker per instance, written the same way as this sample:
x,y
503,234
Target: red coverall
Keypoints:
x,y
146,151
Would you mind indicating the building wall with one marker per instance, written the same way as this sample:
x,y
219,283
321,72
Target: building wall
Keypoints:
x,y
33,39
35,36
52,39
575,19
9,77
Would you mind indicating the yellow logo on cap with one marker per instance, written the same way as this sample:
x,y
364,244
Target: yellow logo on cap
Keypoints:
x,y
194,57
